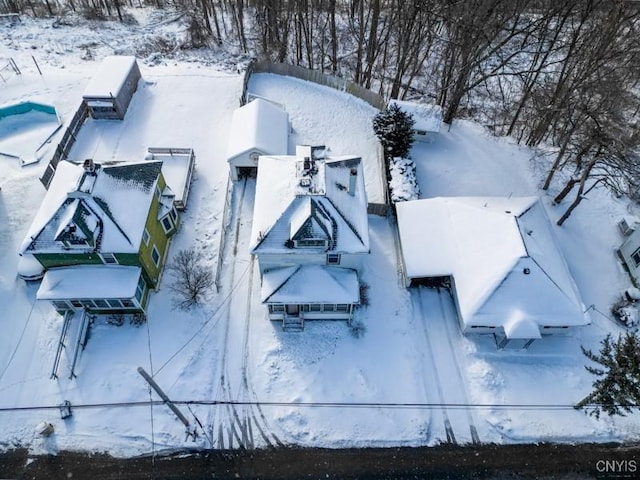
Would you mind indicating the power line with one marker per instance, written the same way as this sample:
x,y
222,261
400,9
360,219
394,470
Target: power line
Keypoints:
x,y
202,327
378,405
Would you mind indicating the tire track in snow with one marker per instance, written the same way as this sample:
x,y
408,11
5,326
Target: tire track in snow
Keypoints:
x,y
240,421
442,356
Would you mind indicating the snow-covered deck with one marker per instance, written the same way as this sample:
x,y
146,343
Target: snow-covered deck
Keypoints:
x,y
177,169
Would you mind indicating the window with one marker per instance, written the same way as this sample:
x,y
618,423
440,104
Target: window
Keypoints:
x,y
635,256
126,303
333,259
158,192
114,303
87,303
174,215
315,307
61,305
108,258
276,308
166,224
311,242
328,307
99,303
140,289
76,303
155,256
146,236
342,307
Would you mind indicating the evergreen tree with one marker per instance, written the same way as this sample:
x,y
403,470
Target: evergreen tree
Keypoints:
x,y
394,129
617,388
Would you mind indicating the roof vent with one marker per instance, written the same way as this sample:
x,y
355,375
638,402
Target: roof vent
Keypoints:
x,y
526,271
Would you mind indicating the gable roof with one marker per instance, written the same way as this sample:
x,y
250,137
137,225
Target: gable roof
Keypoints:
x,y
285,205
110,77
427,117
113,203
310,284
259,125
502,255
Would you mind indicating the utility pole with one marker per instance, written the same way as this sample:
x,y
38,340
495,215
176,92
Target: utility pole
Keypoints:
x,y
165,399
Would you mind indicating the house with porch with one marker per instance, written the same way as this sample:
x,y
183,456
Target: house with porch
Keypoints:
x,y
500,259
101,235
629,251
310,234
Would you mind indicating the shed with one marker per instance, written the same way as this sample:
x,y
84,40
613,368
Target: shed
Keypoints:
x,y
109,92
506,271
258,128
427,118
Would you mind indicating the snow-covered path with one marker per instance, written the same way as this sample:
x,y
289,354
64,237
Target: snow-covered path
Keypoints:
x,y
435,317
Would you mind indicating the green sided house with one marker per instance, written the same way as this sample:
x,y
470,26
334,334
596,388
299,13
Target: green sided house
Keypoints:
x,y
102,235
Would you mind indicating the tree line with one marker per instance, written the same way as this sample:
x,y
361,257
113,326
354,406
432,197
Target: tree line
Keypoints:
x,y
560,73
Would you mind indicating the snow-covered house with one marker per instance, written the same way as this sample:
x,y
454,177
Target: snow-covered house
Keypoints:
x,y
310,233
427,118
258,128
102,234
110,90
507,274
629,252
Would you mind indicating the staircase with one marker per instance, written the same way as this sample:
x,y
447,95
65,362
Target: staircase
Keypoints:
x,y
291,323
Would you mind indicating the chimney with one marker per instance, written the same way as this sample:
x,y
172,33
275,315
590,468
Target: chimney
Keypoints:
x,y
353,175
89,166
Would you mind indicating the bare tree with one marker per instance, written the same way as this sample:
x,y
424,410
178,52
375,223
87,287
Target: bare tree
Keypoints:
x,y
191,279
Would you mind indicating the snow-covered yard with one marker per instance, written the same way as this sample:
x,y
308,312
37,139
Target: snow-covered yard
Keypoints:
x,y
408,349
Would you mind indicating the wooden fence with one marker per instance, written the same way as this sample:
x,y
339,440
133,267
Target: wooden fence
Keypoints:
x,y
66,143
314,76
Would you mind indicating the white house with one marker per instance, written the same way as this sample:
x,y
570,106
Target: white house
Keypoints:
x,y
310,233
258,128
629,252
507,274
428,118
110,90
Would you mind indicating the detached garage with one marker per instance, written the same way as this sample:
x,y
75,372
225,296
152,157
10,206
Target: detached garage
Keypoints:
x,y
109,92
501,260
257,128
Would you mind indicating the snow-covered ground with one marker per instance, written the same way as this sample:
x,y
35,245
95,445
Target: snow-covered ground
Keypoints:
x,y
408,349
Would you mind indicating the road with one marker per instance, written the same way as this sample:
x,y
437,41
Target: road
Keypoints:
x,y
440,462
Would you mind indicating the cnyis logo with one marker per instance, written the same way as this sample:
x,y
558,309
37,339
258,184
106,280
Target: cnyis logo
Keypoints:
x,y
617,466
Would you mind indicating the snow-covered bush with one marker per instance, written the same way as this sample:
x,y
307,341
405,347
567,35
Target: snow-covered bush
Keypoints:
x,y
626,312
403,184
394,129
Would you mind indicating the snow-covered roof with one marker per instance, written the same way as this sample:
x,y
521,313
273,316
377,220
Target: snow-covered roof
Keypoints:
x,y
290,198
502,254
111,206
427,117
110,77
310,284
259,125
89,281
